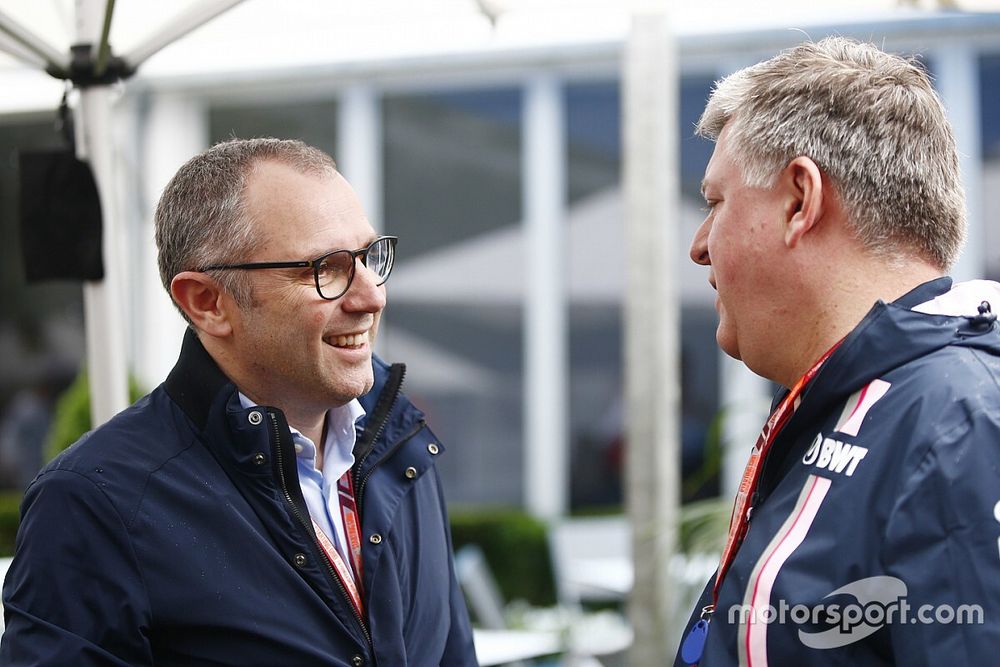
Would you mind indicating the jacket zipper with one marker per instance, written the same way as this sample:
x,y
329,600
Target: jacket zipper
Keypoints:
x,y
308,527
383,409
381,412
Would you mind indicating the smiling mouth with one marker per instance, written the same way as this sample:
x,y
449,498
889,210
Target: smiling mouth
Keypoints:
x,y
350,341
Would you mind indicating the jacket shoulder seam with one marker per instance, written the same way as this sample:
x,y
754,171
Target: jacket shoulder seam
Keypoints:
x,y
148,476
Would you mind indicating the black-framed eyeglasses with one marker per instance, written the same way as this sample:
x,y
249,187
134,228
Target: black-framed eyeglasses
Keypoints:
x,y
334,271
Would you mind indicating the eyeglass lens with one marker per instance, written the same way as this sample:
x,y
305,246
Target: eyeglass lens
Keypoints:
x,y
335,271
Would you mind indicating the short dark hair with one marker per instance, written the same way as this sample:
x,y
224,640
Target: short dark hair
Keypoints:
x,y
201,218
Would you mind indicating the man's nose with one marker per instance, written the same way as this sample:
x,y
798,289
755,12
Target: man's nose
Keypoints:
x,y
699,246
364,294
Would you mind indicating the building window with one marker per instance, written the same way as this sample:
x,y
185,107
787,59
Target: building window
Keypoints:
x,y
452,178
313,122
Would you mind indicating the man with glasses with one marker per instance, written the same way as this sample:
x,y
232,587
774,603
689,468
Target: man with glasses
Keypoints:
x,y
275,501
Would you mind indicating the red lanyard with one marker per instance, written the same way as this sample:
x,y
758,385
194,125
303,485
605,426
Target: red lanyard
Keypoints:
x,y
740,520
352,523
349,575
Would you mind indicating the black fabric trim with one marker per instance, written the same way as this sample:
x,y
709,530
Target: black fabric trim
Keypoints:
x,y
924,292
195,380
375,421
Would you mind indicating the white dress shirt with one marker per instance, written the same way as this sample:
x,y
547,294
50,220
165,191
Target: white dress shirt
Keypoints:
x,y
319,488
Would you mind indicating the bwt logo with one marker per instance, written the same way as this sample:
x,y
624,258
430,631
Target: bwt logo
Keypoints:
x,y
834,455
879,601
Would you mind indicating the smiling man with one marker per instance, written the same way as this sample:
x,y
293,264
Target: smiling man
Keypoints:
x,y
275,501
866,525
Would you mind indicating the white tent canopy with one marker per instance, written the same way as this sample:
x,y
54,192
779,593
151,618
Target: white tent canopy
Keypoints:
x,y
295,35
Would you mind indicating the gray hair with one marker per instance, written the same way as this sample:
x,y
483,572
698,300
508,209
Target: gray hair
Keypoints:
x,y
202,218
871,121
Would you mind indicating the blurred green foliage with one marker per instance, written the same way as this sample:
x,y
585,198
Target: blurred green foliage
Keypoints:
x,y
72,414
704,525
9,518
515,548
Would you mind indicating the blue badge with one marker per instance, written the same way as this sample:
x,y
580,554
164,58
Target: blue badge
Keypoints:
x,y
694,643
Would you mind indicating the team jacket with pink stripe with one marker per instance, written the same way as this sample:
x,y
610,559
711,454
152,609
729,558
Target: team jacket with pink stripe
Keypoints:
x,y
874,536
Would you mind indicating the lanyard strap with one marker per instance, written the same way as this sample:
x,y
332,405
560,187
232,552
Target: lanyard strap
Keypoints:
x,y
349,575
739,522
352,523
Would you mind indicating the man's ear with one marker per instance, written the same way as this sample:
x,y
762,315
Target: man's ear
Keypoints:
x,y
204,302
805,184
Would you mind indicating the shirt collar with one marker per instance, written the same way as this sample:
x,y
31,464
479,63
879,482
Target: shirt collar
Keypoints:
x,y
340,432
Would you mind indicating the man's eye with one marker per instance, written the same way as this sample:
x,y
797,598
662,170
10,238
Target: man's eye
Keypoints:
x,y
329,269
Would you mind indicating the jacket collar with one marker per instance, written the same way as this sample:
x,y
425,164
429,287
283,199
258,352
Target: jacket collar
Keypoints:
x,y
388,413
893,334
924,292
196,380
888,337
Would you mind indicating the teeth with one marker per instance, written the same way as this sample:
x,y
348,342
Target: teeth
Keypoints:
x,y
354,340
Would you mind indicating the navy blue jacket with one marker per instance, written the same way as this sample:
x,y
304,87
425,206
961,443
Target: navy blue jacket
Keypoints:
x,y
176,534
880,498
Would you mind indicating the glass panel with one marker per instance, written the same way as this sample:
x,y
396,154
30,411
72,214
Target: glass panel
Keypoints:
x,y
452,167
453,196
700,454
989,92
593,127
597,271
313,122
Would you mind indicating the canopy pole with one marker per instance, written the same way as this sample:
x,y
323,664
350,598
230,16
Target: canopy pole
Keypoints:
x,y
652,328
16,49
33,43
103,300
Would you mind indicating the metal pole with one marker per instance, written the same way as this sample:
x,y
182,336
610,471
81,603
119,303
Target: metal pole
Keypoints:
x,y
103,300
546,373
33,43
18,50
103,44
652,326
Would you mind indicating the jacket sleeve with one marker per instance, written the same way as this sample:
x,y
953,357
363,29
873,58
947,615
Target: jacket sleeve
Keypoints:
x,y
73,594
460,650
943,542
